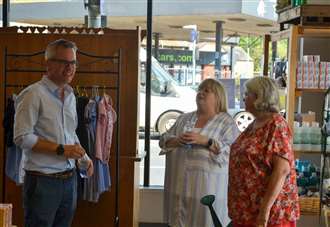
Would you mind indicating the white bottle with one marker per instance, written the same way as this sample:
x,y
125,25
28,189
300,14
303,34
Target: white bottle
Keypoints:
x,y
305,136
315,135
297,136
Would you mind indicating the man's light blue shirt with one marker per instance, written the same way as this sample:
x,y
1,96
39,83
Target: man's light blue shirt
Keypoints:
x,y
40,113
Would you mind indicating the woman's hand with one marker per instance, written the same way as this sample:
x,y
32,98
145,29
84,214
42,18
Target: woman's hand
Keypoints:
x,y
173,142
193,138
263,217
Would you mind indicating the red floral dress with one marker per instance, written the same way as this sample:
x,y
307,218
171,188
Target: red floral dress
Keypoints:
x,y
250,167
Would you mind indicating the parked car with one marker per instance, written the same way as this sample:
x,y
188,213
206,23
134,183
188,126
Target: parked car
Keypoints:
x,y
168,99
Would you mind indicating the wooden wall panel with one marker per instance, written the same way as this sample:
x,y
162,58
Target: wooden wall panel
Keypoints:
x,y
102,213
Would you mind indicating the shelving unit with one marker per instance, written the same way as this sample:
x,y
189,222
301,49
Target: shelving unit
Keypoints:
x,y
297,32
298,153
306,15
294,95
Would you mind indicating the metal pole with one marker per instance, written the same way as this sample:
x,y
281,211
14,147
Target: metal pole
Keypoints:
x,y
94,13
194,57
274,54
148,97
231,60
118,141
5,13
156,47
266,54
218,46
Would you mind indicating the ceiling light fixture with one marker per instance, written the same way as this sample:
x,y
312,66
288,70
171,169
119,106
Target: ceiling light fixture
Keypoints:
x,y
236,19
265,25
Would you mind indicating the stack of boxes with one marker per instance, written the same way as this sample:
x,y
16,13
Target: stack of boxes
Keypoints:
x,y
313,74
5,215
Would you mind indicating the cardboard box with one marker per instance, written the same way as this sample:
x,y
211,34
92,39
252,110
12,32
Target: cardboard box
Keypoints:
x,y
5,215
323,74
305,80
308,117
327,76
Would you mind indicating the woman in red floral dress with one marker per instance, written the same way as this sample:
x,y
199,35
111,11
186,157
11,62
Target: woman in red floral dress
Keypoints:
x,y
262,189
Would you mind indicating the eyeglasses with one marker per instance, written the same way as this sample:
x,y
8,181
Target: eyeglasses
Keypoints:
x,y
246,94
65,62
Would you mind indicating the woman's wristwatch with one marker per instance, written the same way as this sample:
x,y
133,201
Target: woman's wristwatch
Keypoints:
x,y
209,143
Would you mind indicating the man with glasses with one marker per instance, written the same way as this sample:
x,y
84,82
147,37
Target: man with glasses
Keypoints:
x,y
45,124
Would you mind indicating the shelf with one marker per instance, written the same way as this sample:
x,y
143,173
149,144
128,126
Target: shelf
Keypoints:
x,y
311,15
284,9
299,91
309,205
307,152
314,31
289,15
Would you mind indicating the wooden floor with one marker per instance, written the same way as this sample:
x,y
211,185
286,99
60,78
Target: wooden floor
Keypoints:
x,y
310,221
305,221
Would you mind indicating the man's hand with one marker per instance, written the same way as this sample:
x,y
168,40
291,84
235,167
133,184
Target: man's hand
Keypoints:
x,y
73,151
90,168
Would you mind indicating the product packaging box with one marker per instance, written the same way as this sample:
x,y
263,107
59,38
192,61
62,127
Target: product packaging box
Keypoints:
x,y
316,75
327,75
311,73
308,58
306,72
308,117
5,215
323,73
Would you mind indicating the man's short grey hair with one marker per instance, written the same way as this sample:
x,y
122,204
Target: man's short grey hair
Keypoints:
x,y
52,47
267,93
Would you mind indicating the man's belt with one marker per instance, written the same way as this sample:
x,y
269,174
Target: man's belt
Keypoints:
x,y
61,175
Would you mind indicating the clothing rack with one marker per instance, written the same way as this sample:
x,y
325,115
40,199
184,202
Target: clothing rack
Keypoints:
x,y
11,65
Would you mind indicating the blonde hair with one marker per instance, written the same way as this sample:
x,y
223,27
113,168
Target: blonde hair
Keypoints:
x,y
220,92
267,93
52,47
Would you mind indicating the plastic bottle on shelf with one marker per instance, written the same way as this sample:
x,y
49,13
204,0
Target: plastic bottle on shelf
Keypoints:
x,y
302,183
305,136
297,139
314,181
312,168
315,137
306,168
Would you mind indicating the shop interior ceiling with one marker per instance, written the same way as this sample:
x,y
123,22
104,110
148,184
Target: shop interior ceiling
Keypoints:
x,y
170,27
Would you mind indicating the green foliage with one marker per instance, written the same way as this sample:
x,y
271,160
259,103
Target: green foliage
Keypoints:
x,y
254,46
282,46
